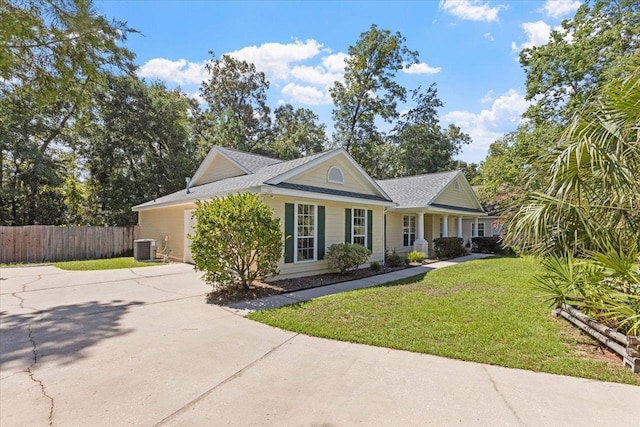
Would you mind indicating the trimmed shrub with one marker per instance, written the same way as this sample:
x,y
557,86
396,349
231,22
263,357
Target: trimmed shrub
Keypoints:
x,y
490,245
394,260
346,256
236,240
375,266
449,247
415,256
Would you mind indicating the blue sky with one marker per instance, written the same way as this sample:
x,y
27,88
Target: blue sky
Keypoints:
x,y
469,48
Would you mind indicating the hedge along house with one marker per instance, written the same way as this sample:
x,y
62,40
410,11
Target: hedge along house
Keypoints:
x,y
427,207
321,199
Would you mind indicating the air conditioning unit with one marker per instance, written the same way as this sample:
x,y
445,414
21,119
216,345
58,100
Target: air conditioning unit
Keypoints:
x,y
144,250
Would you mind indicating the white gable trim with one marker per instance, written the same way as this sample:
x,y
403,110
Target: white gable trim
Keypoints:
x,y
209,159
321,159
445,187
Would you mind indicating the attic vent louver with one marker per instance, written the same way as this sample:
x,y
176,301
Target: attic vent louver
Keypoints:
x,y
335,175
187,180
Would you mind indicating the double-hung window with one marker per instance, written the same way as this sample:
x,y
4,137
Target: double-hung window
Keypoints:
x,y
480,229
359,226
305,232
408,230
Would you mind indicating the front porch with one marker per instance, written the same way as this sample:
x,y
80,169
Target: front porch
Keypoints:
x,y
409,230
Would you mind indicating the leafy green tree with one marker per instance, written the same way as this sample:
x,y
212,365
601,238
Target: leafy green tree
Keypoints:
x,y
591,198
138,147
421,144
237,115
513,166
564,73
54,55
296,133
236,240
369,92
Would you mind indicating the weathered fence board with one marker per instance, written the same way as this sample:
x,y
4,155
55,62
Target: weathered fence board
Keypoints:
x,y
47,243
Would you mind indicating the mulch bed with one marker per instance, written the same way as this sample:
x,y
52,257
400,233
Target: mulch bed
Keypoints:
x,y
260,290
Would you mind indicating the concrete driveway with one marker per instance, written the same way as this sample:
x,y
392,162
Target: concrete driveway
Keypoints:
x,y
141,347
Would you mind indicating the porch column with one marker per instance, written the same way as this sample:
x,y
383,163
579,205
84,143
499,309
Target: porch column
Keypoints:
x,y
420,243
475,227
459,226
445,225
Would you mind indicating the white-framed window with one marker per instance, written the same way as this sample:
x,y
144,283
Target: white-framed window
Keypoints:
x,y
408,230
335,175
306,232
359,226
496,228
480,229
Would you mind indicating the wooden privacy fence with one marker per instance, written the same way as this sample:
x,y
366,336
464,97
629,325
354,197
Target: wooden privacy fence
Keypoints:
x,y
48,243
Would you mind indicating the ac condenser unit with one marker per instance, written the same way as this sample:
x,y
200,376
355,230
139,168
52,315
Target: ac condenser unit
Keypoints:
x,y
144,250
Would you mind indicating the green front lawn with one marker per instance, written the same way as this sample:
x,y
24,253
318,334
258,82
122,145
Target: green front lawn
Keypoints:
x,y
104,264
484,311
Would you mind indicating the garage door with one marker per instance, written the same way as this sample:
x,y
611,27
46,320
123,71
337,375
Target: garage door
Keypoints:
x,y
189,223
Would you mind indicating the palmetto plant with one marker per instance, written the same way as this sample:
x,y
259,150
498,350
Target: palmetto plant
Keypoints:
x,y
586,222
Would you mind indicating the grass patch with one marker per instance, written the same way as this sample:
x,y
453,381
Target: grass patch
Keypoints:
x,y
484,311
104,264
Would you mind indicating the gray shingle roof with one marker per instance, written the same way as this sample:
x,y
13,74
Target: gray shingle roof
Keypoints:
x,y
417,191
251,162
238,183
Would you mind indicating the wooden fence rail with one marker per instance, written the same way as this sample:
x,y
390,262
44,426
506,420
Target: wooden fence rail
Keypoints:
x,y
48,243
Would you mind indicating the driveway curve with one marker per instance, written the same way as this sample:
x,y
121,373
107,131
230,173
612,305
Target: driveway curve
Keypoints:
x,y
141,347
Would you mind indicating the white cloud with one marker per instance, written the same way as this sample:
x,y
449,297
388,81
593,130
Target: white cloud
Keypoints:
x,y
180,71
472,10
488,36
335,63
421,68
316,75
274,59
559,8
489,125
488,97
306,94
538,33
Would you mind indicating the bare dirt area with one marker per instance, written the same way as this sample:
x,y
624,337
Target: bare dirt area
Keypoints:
x,y
260,289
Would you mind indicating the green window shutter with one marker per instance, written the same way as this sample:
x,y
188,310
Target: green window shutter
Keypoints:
x,y
370,229
320,232
347,225
289,224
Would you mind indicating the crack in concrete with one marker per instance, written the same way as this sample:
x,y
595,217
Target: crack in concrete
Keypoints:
x,y
237,374
502,396
137,281
34,351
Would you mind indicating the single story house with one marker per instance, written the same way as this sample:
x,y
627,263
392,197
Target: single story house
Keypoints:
x,y
321,199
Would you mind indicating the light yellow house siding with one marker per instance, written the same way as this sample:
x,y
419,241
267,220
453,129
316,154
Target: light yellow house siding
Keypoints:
x,y
218,169
161,222
463,197
353,179
334,232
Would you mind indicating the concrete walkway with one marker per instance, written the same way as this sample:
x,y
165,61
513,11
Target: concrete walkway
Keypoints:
x,y
275,301
141,347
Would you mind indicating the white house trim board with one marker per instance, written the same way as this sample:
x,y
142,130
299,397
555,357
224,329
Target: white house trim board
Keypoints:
x,y
321,159
268,189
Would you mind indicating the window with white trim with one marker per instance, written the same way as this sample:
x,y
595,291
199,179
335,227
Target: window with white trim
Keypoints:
x,y
305,249
335,175
359,226
441,227
480,229
408,230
